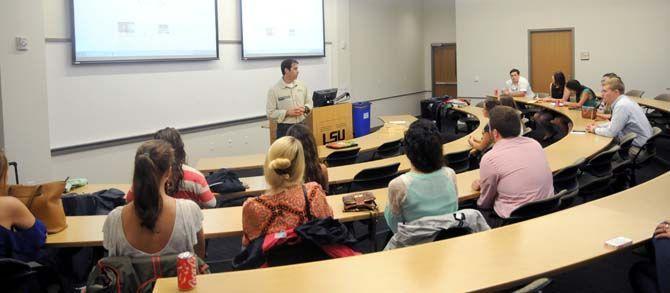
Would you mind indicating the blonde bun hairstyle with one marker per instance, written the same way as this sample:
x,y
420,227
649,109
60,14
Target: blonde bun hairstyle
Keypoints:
x,y
285,163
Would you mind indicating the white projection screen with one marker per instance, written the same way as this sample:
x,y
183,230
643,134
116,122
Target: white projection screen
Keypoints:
x,y
107,31
287,28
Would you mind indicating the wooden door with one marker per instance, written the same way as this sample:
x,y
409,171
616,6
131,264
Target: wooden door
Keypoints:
x,y
444,70
550,51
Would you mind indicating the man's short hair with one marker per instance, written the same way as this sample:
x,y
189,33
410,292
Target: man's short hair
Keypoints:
x,y
612,75
615,84
287,64
505,120
423,146
515,70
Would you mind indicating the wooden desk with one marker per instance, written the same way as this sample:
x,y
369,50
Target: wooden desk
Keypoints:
x,y
388,132
489,260
91,188
227,221
654,104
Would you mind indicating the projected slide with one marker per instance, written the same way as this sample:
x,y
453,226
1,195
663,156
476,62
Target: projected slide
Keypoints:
x,y
138,30
288,28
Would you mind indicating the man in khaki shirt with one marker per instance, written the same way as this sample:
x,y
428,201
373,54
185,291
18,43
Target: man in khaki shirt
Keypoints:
x,y
288,101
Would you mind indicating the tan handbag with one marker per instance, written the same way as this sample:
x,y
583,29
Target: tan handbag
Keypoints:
x,y
359,202
44,202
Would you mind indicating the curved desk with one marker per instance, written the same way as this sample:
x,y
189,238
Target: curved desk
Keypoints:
x,y
393,129
654,104
489,260
87,230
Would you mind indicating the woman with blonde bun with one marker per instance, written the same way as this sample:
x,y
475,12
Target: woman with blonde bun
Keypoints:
x,y
288,202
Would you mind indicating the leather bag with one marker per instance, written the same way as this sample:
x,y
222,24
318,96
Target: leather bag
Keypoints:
x,y
359,202
44,202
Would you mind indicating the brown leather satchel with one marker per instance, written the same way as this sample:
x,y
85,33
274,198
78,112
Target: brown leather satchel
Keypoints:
x,y
44,202
359,202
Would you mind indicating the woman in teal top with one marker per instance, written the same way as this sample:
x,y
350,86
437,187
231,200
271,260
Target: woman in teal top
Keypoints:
x,y
429,189
583,96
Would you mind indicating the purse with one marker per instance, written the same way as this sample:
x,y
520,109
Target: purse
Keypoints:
x,y
359,202
44,202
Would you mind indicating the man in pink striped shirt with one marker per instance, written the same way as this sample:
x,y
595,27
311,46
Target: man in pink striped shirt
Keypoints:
x,y
515,171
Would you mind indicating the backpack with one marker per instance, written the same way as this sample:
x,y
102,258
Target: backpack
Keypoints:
x,y
125,274
224,181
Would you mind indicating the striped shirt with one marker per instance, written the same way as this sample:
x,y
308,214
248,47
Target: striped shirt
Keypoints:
x,y
193,186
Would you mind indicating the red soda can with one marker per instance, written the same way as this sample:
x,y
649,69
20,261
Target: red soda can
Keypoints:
x,y
186,271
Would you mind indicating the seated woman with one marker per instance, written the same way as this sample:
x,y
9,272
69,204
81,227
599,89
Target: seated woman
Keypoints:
x,y
284,205
429,189
154,223
486,141
315,171
21,235
576,95
185,181
557,86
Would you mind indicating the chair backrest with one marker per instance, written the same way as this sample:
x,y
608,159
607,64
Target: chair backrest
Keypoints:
x,y
536,208
567,178
375,177
601,164
625,144
344,157
635,93
459,161
663,97
388,148
452,233
650,145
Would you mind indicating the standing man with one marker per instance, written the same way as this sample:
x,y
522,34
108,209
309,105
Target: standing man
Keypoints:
x,y
288,101
517,86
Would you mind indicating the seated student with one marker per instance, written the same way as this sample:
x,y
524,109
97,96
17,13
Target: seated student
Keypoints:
x,y
21,235
315,171
517,85
515,171
604,112
429,189
559,128
283,205
557,86
581,95
627,116
486,141
185,181
154,223
654,276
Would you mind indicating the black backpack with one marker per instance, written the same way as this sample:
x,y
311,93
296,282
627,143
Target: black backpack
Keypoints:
x,y
224,181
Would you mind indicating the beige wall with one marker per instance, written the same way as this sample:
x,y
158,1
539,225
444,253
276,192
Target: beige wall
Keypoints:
x,y
23,86
627,37
439,26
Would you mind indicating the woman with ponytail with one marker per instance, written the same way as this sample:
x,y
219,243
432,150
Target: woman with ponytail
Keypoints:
x,y
283,206
185,181
154,223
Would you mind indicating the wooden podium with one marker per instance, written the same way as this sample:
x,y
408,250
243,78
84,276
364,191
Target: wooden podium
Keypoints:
x,y
328,124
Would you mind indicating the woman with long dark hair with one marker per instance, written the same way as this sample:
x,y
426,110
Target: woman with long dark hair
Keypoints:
x,y
185,181
557,86
315,171
154,223
479,145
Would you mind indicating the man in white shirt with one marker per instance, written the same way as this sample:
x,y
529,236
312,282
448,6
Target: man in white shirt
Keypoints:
x,y
627,116
517,86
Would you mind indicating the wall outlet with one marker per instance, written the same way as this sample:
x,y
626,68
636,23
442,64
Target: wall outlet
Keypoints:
x,y
476,78
585,55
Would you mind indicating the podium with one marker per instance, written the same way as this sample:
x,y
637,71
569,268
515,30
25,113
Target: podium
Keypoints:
x,y
328,124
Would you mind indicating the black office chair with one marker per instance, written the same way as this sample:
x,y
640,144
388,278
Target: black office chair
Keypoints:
x,y
345,157
648,151
372,178
535,209
566,179
471,123
622,166
387,150
597,173
459,161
